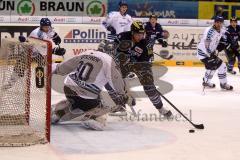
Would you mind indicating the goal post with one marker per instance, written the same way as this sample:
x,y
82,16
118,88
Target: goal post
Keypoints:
x,y
25,96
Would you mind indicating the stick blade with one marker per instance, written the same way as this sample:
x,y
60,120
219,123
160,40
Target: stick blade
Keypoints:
x,y
199,126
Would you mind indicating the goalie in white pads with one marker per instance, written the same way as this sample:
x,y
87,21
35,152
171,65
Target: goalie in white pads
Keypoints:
x,y
87,74
206,52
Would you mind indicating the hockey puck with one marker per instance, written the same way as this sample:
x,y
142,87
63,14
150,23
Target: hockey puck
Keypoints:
x,y
191,131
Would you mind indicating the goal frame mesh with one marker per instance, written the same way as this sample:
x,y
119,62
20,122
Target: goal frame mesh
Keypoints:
x,y
19,118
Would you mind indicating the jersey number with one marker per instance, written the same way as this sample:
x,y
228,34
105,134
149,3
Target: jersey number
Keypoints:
x,y
84,70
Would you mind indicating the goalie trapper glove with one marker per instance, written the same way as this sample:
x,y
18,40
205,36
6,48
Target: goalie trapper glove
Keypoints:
x,y
56,39
21,38
111,29
59,51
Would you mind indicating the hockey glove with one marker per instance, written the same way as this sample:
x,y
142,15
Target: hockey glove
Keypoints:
x,y
21,38
163,43
59,51
56,39
111,29
221,47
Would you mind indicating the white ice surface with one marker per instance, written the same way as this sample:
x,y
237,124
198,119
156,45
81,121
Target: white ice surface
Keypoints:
x,y
140,140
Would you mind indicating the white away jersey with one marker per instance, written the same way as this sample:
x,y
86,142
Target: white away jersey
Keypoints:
x,y
209,42
37,33
120,23
89,72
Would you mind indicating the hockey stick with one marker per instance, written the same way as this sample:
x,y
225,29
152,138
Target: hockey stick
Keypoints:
x,y
198,126
168,58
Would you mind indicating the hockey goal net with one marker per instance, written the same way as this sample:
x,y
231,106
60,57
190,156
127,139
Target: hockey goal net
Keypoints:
x,y
25,96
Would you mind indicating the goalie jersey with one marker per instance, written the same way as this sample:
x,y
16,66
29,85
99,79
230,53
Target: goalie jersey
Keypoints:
x,y
209,42
89,72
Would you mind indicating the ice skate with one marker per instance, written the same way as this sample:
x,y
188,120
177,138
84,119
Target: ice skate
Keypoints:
x,y
226,86
232,72
208,84
167,114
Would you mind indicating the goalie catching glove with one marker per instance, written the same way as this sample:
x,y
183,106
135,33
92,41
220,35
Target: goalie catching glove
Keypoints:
x,y
59,51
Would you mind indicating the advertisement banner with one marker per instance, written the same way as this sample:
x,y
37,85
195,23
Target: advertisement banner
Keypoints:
x,y
207,10
179,40
54,7
180,45
164,9
79,38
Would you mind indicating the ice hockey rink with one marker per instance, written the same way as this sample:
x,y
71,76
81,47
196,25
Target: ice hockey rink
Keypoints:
x,y
143,140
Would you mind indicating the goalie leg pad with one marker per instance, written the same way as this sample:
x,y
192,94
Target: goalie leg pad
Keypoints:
x,y
80,108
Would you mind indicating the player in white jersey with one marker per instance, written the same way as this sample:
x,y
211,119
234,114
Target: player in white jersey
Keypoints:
x,y
118,21
207,53
44,32
87,74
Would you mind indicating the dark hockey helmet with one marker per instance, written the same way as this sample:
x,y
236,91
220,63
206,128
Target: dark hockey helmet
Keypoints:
x,y
218,19
45,22
137,27
153,16
122,3
234,19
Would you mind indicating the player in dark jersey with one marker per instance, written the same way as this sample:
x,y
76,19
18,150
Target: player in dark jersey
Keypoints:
x,y
155,32
233,49
133,56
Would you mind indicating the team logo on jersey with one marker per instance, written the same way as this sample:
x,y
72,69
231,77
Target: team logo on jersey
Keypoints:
x,y
85,36
39,72
138,50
